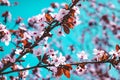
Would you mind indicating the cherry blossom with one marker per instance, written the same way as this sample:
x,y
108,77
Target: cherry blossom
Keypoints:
x,y
60,33
11,59
26,36
35,38
117,66
115,53
7,36
3,77
9,17
82,55
1,65
23,74
18,51
5,2
22,27
52,53
57,60
80,70
61,14
37,52
98,54
38,22
54,69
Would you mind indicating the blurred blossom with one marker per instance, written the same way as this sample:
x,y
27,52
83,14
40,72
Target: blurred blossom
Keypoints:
x,y
5,34
9,18
5,2
115,53
80,70
18,51
61,14
37,52
56,60
82,55
98,54
60,33
1,65
22,27
54,69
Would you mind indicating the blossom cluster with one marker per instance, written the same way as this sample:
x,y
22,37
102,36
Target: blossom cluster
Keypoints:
x,y
34,40
5,35
5,2
48,16
55,59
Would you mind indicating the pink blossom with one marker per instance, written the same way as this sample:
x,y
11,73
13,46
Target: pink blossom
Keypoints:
x,y
7,36
98,54
111,5
9,16
46,46
56,60
26,36
115,53
1,65
22,27
61,14
82,55
117,66
54,69
5,2
80,70
37,52
60,33
52,53
18,51
38,22
50,9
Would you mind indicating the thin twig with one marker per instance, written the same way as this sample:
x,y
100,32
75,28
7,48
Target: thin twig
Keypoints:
x,y
45,34
45,66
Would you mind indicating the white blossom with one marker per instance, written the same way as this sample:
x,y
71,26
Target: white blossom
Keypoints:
x,y
37,52
61,14
81,70
82,55
7,36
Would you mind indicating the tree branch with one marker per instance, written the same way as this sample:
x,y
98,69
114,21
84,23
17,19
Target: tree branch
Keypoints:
x,y
45,34
44,66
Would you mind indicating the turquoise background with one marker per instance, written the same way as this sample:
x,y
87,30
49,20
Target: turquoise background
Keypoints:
x,y
29,8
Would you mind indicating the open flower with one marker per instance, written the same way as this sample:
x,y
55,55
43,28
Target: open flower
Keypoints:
x,y
115,53
37,52
98,54
81,70
5,34
60,33
61,14
57,60
18,51
82,55
52,53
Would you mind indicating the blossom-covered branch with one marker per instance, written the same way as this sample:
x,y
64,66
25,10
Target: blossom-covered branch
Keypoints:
x,y
44,66
33,39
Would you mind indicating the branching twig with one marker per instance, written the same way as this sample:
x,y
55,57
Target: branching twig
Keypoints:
x,y
45,34
45,66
